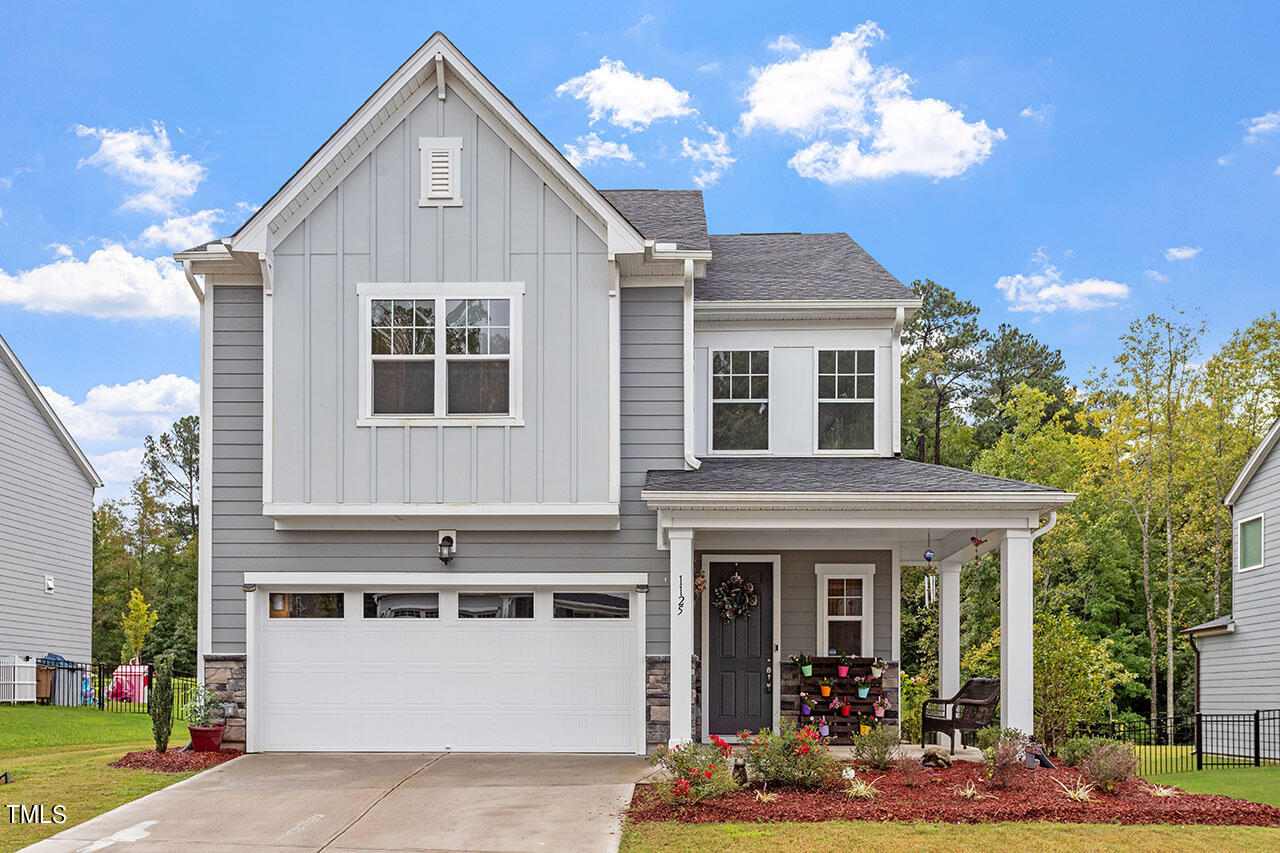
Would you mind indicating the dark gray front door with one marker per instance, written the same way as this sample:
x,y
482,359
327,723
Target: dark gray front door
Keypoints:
x,y
740,655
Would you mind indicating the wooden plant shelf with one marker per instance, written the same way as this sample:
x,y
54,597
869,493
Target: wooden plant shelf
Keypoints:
x,y
842,728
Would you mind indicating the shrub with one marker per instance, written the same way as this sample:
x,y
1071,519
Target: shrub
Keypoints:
x,y
204,709
878,747
861,789
161,702
1077,749
1109,764
1005,756
1081,792
699,771
985,739
790,756
912,691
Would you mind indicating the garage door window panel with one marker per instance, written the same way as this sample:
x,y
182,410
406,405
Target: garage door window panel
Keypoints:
x,y
306,605
495,605
591,605
402,605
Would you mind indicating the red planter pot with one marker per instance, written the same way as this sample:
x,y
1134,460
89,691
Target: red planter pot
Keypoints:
x,y
206,738
842,671
845,710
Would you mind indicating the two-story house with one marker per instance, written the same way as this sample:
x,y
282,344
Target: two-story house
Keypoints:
x,y
478,430
1238,655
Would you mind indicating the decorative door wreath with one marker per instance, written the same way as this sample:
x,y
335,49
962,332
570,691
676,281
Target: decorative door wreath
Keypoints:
x,y
734,597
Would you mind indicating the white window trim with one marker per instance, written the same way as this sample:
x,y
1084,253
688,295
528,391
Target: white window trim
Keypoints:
x,y
874,449
866,572
711,401
440,291
1262,542
452,144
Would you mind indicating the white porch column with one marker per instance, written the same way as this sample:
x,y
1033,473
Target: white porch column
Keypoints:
x,y
1017,610
681,633
949,629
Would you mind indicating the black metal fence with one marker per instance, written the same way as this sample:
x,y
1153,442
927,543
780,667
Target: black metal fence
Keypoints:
x,y
121,688
1187,742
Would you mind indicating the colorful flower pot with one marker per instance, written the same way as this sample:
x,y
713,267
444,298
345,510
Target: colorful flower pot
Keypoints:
x,y
876,672
805,709
206,738
879,711
824,731
842,671
825,688
863,691
806,670
845,710
864,729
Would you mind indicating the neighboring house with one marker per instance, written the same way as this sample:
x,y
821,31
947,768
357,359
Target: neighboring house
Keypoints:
x,y
1238,656
475,426
46,525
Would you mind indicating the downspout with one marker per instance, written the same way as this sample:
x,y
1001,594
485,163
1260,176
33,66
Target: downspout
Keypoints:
x,y
191,280
689,459
204,539
1046,527
899,320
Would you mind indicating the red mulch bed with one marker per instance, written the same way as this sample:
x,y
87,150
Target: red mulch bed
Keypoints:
x,y
1033,796
175,760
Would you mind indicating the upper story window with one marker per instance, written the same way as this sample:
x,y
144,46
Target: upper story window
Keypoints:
x,y
846,399
436,351
1250,543
740,400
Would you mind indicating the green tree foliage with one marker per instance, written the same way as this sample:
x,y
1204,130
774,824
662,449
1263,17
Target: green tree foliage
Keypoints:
x,y
1075,675
172,465
1011,358
160,704
137,620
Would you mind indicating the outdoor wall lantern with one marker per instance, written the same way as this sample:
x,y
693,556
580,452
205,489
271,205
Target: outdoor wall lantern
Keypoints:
x,y
446,546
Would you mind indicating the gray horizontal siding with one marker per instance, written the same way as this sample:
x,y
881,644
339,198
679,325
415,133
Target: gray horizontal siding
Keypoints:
x,y
46,528
244,540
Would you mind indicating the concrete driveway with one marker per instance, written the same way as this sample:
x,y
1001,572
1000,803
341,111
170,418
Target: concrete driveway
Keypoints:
x,y
339,802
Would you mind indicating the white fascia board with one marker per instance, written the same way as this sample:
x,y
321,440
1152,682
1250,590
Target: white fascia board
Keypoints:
x,y
854,500
453,579
433,516
422,69
835,309
64,435
1251,467
1229,628
826,519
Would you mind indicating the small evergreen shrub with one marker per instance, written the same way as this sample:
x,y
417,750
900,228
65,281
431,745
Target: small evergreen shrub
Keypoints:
x,y
1109,764
790,756
1077,749
878,747
160,705
985,739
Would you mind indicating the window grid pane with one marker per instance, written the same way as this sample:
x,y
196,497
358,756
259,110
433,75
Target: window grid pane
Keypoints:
x,y
402,326
740,375
477,327
846,374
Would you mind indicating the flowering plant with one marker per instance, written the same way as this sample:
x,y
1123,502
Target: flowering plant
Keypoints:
x,y
825,682
879,663
698,770
790,756
846,660
836,703
882,702
862,681
802,659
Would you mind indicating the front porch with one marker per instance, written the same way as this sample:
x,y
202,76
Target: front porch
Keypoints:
x,y
826,567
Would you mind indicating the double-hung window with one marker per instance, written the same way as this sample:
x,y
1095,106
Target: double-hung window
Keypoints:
x,y
740,400
440,352
1249,538
846,399
845,608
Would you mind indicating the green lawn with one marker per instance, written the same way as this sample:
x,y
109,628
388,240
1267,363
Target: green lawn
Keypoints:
x,y
841,836
1259,784
59,756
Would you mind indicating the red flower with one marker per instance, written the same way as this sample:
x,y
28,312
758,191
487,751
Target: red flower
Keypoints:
x,y
682,787
708,772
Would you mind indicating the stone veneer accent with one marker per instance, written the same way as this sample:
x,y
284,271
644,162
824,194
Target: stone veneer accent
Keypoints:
x,y
225,675
657,687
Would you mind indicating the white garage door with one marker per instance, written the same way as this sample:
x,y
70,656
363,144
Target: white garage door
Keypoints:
x,y
545,670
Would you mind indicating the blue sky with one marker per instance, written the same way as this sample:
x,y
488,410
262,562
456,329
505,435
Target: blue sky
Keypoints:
x,y
1067,168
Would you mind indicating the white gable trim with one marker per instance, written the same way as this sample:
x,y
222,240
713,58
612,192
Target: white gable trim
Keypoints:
x,y
33,391
373,120
1251,467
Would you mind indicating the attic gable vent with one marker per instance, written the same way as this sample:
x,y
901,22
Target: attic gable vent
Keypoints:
x,y
441,171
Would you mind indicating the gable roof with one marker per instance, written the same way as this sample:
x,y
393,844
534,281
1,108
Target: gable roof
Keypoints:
x,y
42,405
1221,625
793,266
665,216
338,155
837,475
1255,462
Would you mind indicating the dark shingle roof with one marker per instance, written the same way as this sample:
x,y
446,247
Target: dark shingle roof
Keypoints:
x,y
794,266
1213,625
827,474
665,216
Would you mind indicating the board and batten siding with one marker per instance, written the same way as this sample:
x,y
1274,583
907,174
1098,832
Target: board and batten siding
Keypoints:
x,y
1240,672
510,226
46,528
244,540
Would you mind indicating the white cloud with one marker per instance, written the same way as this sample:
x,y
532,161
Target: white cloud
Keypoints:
x,y
111,283
627,99
1182,253
132,410
785,44
6,182
145,159
1259,126
117,468
1156,275
712,156
183,232
1277,171
860,119
592,149
1038,114
1226,159
1047,291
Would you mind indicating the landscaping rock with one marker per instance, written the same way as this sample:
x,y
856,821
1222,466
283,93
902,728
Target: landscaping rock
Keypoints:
x,y
936,756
